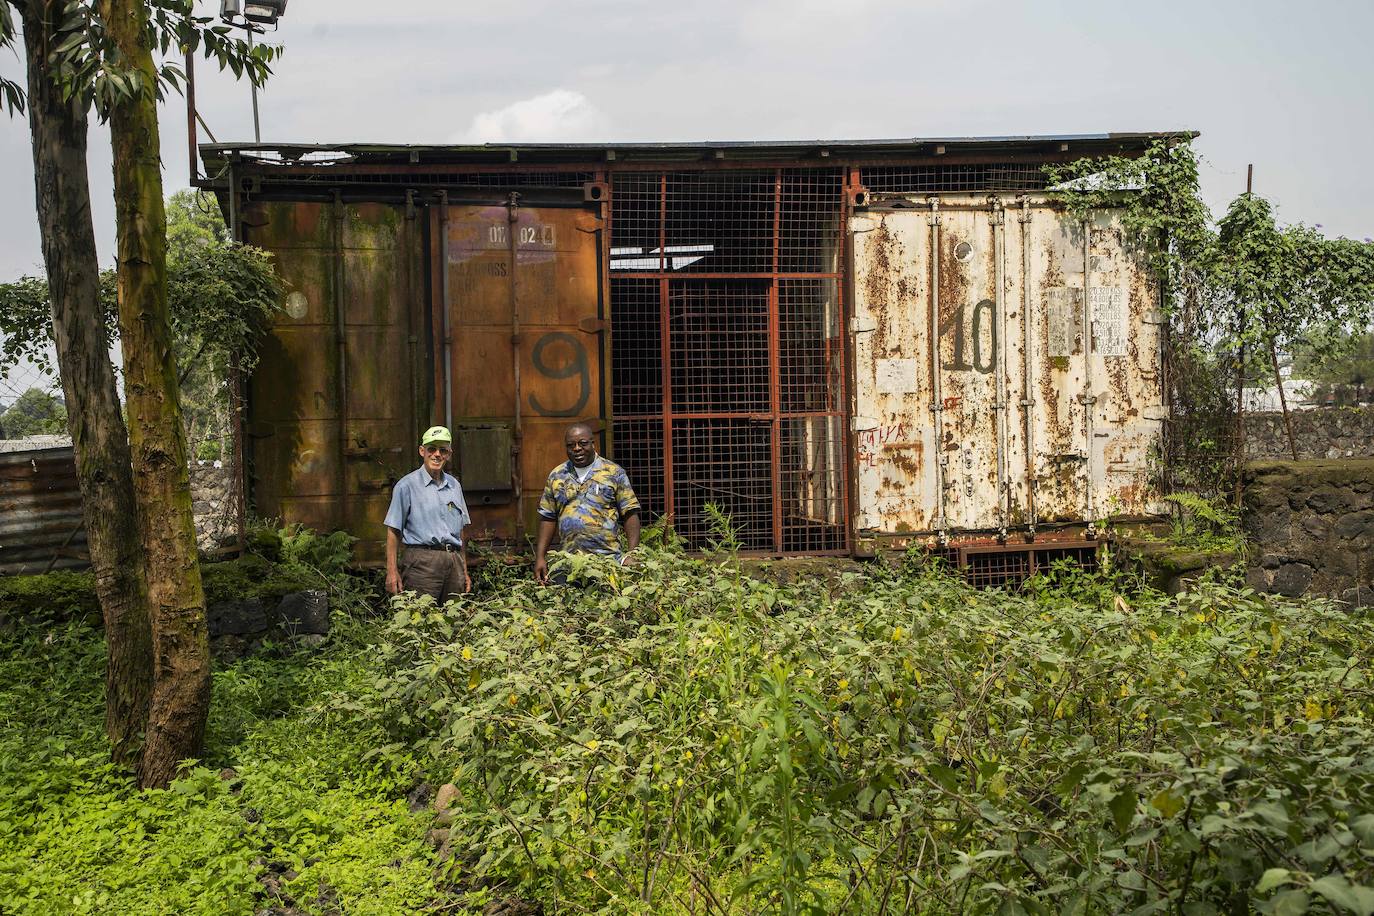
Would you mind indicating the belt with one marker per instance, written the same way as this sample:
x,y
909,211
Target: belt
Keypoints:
x,y
447,548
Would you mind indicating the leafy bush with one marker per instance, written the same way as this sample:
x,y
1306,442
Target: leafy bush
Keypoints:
x,y
62,595
1203,523
678,736
303,813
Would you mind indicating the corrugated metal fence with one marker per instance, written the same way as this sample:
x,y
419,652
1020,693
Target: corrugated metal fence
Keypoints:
x,y
41,527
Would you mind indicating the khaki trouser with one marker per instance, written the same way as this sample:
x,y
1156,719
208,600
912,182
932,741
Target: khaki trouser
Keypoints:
x,y
437,573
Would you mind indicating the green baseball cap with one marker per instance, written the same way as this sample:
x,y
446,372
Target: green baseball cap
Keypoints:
x,y
436,434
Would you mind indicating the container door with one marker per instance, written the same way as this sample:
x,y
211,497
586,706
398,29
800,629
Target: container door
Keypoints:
x,y
526,311
1007,368
333,400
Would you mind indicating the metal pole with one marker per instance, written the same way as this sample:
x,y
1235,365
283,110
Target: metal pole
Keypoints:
x,y
447,308
999,409
192,176
257,131
1087,398
512,228
936,402
1027,366
341,343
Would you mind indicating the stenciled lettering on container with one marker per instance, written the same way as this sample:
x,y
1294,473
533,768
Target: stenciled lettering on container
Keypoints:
x,y
576,366
982,318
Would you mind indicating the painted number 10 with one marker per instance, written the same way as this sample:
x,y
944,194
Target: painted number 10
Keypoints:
x,y
984,356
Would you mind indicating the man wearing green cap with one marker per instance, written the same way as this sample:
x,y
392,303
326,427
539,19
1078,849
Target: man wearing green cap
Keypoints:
x,y
426,518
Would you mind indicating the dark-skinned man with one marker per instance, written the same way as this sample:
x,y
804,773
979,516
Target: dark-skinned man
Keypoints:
x,y
587,501
426,522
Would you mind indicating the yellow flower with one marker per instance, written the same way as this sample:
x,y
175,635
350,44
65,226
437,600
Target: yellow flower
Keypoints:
x,y
1312,710
810,672
474,681
897,703
679,782
467,653
843,683
511,699
687,755
897,634
593,744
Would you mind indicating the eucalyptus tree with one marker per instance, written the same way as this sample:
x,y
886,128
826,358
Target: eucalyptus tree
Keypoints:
x,y
83,56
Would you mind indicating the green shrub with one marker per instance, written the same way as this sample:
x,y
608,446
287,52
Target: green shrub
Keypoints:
x,y
55,596
78,838
679,732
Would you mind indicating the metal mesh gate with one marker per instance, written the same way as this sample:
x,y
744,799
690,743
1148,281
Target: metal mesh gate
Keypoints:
x,y
727,351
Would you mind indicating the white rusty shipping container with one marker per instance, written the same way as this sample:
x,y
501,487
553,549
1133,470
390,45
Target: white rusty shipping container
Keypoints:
x,y
1007,368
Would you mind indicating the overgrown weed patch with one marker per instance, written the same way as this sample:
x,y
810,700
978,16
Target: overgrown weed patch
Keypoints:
x,y
683,738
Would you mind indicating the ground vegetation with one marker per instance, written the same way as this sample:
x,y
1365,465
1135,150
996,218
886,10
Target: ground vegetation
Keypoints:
x,y
685,738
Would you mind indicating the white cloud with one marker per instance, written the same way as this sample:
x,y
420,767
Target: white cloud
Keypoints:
x,y
560,115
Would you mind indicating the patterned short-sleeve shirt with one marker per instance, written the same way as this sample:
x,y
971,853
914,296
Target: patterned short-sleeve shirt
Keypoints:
x,y
589,511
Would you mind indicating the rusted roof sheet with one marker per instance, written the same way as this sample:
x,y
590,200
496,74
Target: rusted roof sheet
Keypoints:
x,y
41,526
216,155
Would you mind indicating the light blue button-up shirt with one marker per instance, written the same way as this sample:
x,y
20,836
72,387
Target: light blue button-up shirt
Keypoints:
x,y
427,511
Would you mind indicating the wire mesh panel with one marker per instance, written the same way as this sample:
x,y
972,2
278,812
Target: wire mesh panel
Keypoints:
x,y
718,346
1010,567
728,463
638,447
720,222
810,346
809,228
636,348
637,223
811,481
728,379
984,176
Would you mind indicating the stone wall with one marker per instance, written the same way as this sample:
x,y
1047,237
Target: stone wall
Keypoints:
x,y
214,505
1332,432
1311,528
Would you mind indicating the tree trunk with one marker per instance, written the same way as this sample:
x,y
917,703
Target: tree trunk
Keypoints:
x,y
98,434
1283,398
181,656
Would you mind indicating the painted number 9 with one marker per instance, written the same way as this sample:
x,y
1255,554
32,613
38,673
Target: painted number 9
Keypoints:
x,y
574,365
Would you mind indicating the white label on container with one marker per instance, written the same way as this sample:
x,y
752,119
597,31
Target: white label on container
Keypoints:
x,y
1062,314
1107,310
896,376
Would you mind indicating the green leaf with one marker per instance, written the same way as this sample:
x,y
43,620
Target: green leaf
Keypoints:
x,y
1355,898
1272,878
1319,850
1363,827
1123,806
1167,802
1287,903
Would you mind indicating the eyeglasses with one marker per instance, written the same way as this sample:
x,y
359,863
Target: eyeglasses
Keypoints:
x,y
431,449
580,443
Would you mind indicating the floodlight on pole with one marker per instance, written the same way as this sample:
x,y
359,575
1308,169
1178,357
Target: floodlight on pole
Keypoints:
x,y
252,16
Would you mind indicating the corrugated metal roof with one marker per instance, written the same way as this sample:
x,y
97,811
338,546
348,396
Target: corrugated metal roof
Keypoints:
x,y
215,154
41,526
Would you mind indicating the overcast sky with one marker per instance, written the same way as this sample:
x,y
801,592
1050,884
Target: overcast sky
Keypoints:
x,y
1280,84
